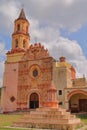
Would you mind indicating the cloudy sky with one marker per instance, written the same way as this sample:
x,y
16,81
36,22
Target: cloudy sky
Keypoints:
x,y
60,25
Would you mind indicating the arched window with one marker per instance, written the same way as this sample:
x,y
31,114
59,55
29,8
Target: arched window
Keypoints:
x,y
35,73
18,27
16,43
24,42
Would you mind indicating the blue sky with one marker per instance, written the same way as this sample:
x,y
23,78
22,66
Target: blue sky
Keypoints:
x,y
80,36
60,25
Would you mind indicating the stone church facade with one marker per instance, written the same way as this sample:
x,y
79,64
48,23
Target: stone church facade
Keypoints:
x,y
31,75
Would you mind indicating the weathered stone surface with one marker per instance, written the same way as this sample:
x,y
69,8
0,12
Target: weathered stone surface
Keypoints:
x,y
48,118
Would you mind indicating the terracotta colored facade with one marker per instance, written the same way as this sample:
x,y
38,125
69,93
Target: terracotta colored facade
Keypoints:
x,y
32,78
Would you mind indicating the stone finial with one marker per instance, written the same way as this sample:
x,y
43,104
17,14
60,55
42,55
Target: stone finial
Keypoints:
x,y
62,59
22,14
52,96
52,87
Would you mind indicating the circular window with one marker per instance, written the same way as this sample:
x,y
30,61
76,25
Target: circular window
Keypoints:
x,y
12,99
35,73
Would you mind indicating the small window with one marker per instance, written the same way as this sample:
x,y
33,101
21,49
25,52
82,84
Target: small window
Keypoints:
x,y
18,27
35,73
60,103
16,43
60,92
14,69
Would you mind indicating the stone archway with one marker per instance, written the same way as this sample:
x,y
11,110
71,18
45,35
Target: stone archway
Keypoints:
x,y
34,101
78,103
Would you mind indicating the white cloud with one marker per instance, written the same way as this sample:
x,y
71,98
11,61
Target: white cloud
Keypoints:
x,y
69,14
73,53
1,73
42,33
46,19
8,12
2,59
59,46
69,2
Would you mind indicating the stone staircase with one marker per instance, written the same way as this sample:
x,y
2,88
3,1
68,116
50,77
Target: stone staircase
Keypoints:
x,y
48,118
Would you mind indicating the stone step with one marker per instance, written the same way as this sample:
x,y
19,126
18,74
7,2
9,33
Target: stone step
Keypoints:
x,y
50,112
45,126
48,118
50,109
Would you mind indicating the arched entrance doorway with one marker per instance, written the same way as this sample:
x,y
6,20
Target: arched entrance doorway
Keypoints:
x,y
34,101
78,103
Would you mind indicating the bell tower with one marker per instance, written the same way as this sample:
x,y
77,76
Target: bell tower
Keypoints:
x,y
20,36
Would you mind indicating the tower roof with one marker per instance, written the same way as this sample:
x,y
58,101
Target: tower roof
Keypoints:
x,y
22,14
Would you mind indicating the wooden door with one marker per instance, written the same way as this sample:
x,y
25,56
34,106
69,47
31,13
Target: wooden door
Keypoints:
x,y
34,101
83,105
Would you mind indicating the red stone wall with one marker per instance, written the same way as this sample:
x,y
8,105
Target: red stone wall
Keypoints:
x,y
28,83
